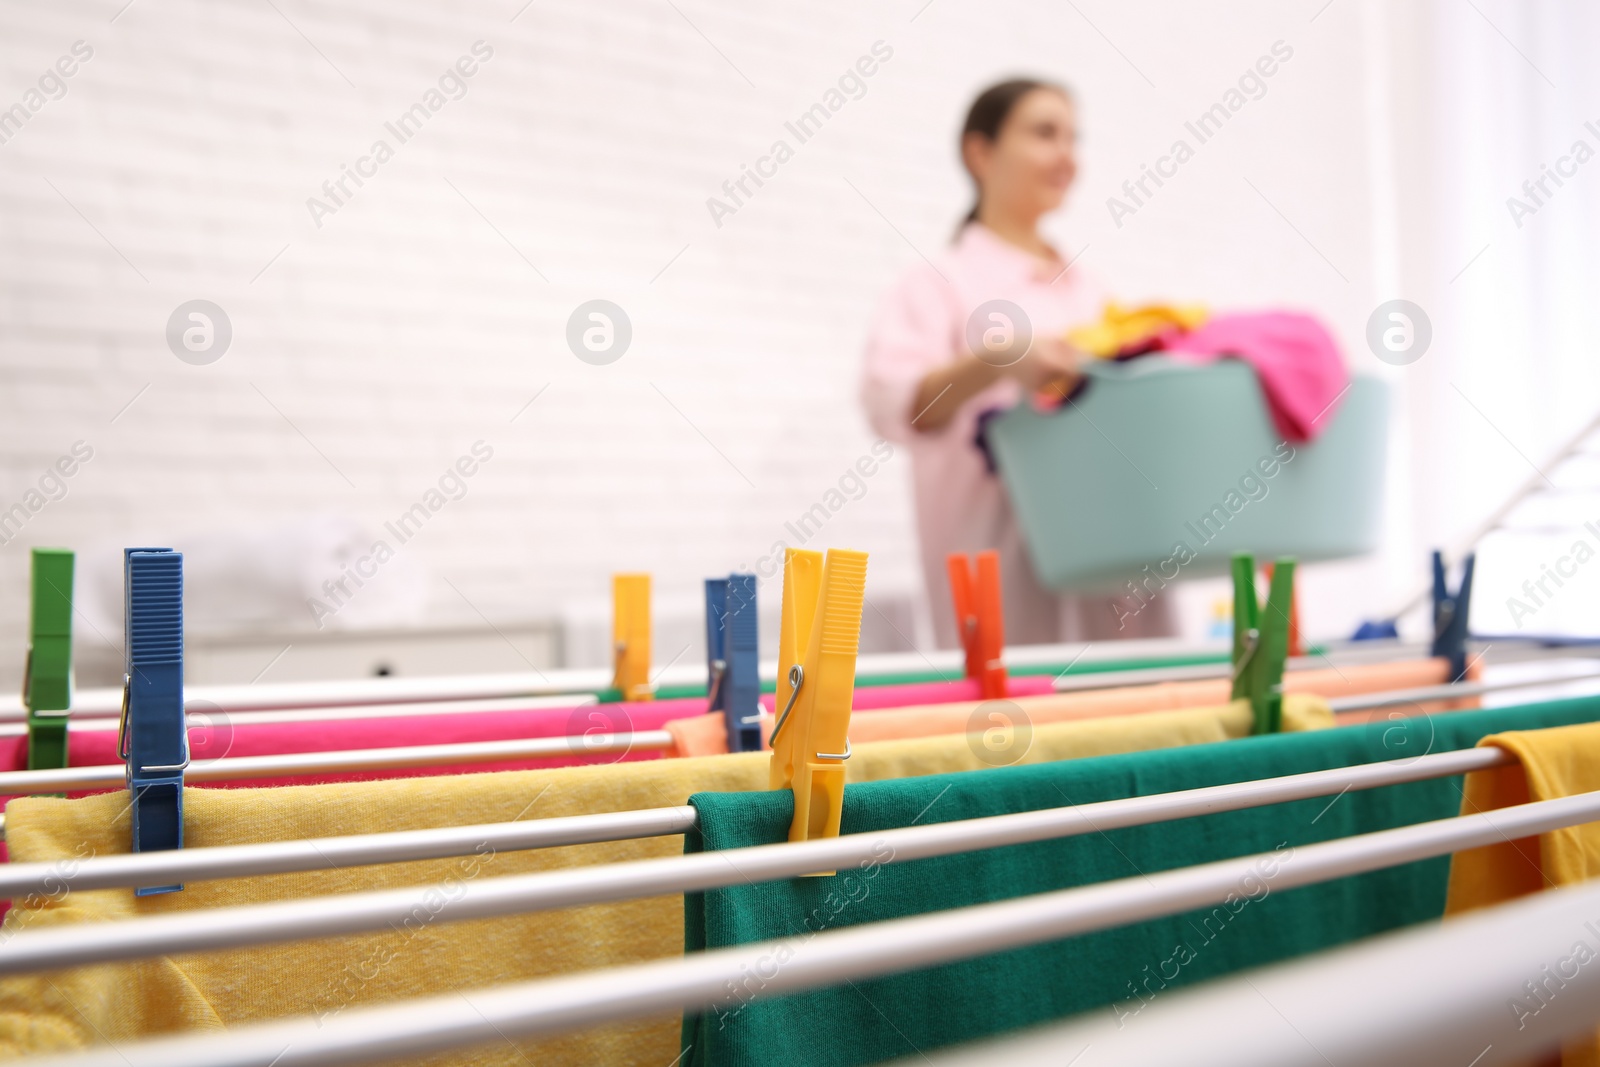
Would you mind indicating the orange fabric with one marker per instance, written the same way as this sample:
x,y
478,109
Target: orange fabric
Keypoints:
x,y
1473,673
706,736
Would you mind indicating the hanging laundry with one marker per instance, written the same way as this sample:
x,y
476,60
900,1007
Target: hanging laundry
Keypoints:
x,y
1551,763
1129,331
227,737
1132,729
698,736
1122,970
874,698
80,1007
224,737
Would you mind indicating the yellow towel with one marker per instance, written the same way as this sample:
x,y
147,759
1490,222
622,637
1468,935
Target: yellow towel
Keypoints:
x,y
1124,327
1556,762
117,1002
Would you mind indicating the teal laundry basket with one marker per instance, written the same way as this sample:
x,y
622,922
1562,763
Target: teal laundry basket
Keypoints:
x,y
1166,465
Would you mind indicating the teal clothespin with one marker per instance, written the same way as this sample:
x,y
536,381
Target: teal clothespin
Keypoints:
x,y
1261,641
47,679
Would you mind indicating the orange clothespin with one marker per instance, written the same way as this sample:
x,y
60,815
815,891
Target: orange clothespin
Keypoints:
x,y
819,631
975,587
630,635
1295,648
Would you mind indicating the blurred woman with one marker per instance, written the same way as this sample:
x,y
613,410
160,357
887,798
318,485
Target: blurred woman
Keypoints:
x,y
979,328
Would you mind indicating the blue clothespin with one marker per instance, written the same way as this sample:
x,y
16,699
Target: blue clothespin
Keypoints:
x,y
1450,611
154,737
1381,630
734,676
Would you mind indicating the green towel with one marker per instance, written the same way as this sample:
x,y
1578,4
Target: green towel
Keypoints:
x,y
1119,970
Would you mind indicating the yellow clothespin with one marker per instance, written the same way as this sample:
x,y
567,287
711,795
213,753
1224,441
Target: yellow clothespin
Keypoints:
x,y
630,635
819,632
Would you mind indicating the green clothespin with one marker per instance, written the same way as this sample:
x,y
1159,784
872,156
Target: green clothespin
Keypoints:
x,y
1261,641
47,681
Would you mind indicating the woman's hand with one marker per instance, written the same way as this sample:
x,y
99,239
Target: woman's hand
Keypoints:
x,y
1049,362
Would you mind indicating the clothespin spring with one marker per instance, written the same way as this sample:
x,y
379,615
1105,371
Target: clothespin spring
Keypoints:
x,y
719,669
797,677
1252,641
27,676
124,748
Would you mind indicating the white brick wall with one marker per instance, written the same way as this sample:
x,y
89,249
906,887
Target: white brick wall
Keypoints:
x,y
408,327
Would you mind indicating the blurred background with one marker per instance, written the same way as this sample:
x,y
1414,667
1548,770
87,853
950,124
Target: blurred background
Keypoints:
x,y
386,338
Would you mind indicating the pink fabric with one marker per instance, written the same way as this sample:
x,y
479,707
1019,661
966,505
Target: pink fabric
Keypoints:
x,y
916,694
961,507
876,697
1298,363
90,748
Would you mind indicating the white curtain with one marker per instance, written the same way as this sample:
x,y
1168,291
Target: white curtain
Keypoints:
x,y
1487,94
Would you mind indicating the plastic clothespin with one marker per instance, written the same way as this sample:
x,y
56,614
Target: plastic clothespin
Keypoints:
x,y
630,635
1296,647
1261,641
732,667
153,736
1376,630
47,677
975,588
817,641
1450,611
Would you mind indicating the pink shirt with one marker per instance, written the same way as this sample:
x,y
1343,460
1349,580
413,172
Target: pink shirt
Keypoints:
x,y
920,326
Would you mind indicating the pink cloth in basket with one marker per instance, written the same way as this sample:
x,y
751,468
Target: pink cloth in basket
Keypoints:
x,y
1298,363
